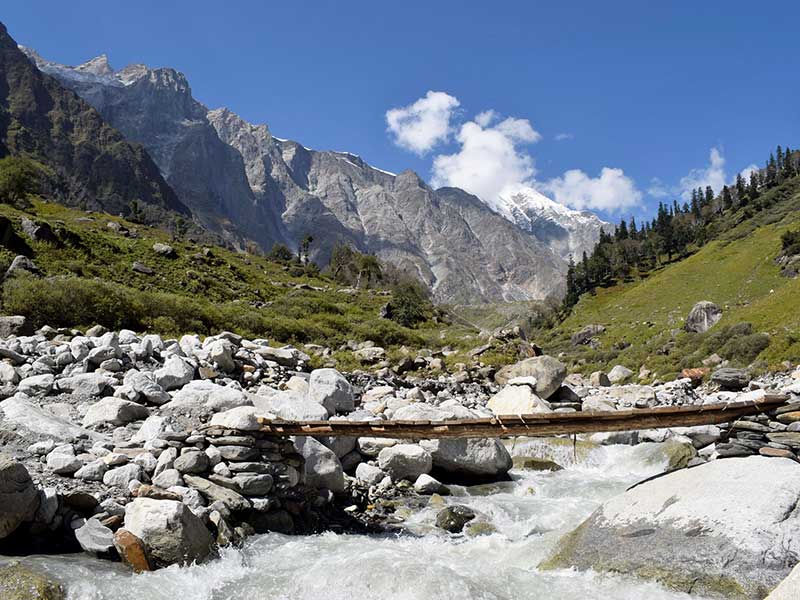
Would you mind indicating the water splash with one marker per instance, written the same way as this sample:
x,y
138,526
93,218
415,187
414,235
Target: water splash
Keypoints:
x,y
528,516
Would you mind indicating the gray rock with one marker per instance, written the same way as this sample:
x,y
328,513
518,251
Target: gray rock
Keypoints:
x,y
30,418
164,250
425,484
548,371
221,352
731,379
115,412
370,474
209,396
21,264
122,476
216,493
454,518
322,469
743,539
243,418
14,325
405,461
93,471
168,478
517,400
618,374
292,406
703,316
175,373
193,461
585,335
19,498
143,384
253,484
94,537
86,384
171,533
62,460
469,460
37,385
329,388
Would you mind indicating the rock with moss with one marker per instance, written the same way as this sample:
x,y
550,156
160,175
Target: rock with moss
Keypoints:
x,y
726,529
18,582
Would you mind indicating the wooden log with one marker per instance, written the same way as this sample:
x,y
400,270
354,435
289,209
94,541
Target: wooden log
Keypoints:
x,y
528,425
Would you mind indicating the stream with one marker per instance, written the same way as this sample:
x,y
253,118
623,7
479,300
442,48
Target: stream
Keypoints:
x,y
528,514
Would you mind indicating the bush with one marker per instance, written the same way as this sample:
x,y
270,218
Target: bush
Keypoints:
x,y
790,243
410,303
18,178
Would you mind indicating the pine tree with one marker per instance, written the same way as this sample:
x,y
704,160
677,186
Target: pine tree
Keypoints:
x,y
709,195
727,199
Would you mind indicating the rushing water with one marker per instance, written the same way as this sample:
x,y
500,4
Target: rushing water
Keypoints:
x,y
529,516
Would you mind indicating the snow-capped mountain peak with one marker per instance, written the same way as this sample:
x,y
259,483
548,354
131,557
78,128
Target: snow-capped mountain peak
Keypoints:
x,y
567,231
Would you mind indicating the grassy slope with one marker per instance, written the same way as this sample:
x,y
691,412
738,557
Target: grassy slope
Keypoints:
x,y
226,281
737,272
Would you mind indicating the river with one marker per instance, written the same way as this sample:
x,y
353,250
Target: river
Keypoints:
x,y
529,514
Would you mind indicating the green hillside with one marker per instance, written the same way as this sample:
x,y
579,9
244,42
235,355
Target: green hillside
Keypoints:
x,y
736,271
88,277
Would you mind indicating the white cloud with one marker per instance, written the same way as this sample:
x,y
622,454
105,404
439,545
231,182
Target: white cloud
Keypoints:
x,y
611,191
745,173
489,159
420,126
713,175
560,137
658,189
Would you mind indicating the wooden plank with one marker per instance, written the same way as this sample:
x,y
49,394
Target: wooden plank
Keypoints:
x,y
533,424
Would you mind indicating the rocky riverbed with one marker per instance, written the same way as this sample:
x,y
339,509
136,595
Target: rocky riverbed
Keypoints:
x,y
142,449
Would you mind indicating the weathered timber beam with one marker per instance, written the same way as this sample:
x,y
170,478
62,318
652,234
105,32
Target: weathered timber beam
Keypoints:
x,y
540,424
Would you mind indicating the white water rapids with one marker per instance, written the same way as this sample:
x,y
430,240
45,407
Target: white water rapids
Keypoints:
x,y
529,514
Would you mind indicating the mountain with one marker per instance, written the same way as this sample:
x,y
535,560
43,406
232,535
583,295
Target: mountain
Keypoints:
x,y
93,165
155,107
566,231
241,181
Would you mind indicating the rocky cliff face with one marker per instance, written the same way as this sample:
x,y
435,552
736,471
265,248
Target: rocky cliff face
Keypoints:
x,y
155,107
462,250
92,163
240,180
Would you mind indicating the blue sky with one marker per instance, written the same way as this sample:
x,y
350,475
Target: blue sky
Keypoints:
x,y
645,89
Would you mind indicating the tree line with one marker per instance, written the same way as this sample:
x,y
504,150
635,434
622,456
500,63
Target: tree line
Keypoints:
x,y
676,230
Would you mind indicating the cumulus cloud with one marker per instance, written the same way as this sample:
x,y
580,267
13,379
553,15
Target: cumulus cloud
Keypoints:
x,y
490,158
420,126
745,173
611,191
658,189
713,175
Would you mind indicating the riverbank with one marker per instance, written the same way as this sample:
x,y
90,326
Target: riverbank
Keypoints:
x,y
111,451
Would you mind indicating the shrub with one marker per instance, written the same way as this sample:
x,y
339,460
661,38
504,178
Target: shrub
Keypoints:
x,y
790,243
18,178
410,303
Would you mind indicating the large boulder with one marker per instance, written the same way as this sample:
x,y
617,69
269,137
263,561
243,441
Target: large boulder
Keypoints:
x,y
619,374
171,533
729,378
114,411
207,395
292,406
725,529
517,400
474,460
322,469
586,335
548,371
329,388
175,373
405,461
703,316
19,498
30,418
86,384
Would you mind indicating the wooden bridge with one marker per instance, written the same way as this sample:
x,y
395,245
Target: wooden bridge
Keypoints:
x,y
540,424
